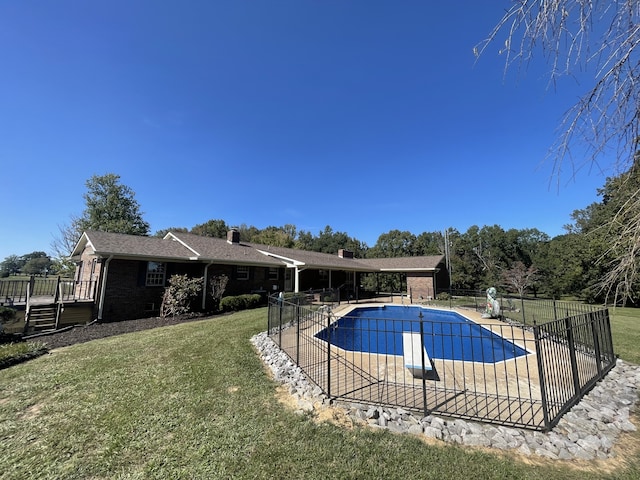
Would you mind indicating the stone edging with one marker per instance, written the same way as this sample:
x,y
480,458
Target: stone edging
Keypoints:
x,y
587,432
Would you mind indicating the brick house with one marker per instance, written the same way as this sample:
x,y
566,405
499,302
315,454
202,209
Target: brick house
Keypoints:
x,y
131,271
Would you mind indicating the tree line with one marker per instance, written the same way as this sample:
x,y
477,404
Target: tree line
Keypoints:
x,y
580,263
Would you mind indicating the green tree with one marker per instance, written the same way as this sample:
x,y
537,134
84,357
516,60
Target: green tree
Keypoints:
x,y
37,266
491,249
429,243
211,228
328,241
611,252
394,243
247,232
564,265
599,39
275,236
162,232
528,244
109,207
305,241
11,265
466,267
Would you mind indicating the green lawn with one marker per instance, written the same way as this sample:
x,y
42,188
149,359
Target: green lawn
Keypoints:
x,y
625,329
193,401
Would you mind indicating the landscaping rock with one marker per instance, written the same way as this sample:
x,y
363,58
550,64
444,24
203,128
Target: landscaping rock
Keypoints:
x,y
587,432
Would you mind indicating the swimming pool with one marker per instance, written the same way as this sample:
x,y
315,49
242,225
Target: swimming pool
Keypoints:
x,y
447,335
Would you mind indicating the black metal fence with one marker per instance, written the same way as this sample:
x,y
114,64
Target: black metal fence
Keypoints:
x,y
505,373
525,310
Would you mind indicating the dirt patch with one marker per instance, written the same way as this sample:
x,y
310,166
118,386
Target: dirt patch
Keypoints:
x,y
32,412
95,331
321,413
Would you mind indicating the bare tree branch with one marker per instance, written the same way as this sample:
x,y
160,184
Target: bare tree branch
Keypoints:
x,y
601,130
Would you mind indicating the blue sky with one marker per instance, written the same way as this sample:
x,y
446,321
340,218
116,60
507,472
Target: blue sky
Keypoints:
x,y
364,115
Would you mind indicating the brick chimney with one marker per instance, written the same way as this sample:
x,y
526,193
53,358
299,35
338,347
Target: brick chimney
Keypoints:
x,y
344,253
233,236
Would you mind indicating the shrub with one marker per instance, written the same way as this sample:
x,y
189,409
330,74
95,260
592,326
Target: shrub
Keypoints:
x,y
443,296
240,302
7,314
179,294
218,284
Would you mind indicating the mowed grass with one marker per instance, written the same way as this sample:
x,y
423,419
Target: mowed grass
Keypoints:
x,y
625,330
193,401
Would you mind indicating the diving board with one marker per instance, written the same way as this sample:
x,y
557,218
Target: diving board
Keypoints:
x,y
412,352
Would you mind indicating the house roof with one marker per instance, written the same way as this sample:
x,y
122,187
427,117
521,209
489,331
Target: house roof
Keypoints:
x,y
189,247
222,251
307,258
405,264
121,245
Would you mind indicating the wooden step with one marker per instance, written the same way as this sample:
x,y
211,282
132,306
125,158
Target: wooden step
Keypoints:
x,y
42,317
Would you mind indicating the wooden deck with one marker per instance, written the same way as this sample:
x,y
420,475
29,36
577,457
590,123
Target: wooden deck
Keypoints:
x,y
72,312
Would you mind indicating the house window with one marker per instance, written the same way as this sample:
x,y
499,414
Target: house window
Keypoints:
x,y
242,272
155,274
94,262
323,274
79,271
273,273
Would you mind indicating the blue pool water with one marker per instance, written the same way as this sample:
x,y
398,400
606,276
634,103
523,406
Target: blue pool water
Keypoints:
x,y
447,335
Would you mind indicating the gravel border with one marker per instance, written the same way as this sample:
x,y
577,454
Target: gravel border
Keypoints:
x,y
588,431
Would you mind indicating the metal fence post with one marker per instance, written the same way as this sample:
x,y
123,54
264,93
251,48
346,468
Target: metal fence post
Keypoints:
x,y
595,331
524,319
329,356
541,376
280,307
572,355
297,334
424,380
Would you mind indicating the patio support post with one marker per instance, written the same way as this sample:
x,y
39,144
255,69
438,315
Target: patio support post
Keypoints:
x,y
103,287
27,308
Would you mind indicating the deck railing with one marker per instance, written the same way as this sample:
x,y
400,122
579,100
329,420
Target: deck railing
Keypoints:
x,y
14,292
557,362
